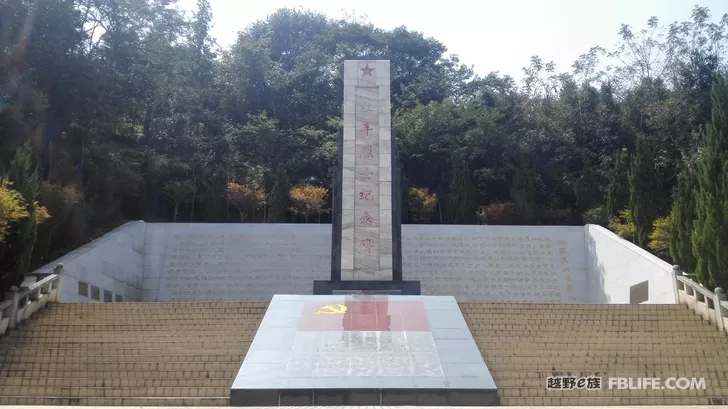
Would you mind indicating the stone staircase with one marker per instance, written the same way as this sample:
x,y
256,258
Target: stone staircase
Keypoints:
x,y
128,354
187,354
523,344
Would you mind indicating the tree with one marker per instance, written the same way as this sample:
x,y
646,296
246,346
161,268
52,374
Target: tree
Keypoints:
x,y
618,187
132,104
422,204
499,213
522,192
279,200
623,225
660,237
710,235
179,192
18,248
308,200
245,197
462,194
682,219
12,207
643,192
61,201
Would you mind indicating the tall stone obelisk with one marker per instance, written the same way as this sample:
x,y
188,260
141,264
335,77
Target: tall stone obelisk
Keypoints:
x,y
366,237
366,200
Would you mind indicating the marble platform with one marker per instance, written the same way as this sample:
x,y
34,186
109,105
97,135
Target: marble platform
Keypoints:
x,y
363,350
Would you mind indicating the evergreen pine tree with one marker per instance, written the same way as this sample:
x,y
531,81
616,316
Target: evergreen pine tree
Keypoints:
x,y
681,221
279,201
523,192
643,192
618,188
462,194
710,233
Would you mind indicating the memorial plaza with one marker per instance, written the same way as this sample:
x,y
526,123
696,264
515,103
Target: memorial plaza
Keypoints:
x,y
364,311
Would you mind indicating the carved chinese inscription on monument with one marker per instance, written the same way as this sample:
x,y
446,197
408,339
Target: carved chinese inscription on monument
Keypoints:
x,y
367,244
365,195
235,266
366,152
366,174
366,128
366,219
492,267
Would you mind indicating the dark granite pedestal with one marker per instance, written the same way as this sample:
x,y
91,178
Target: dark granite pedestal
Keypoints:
x,y
363,350
328,287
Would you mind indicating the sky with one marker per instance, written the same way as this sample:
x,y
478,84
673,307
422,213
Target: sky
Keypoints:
x,y
488,35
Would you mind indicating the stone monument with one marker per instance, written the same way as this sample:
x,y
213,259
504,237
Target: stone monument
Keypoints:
x,y
366,239
363,350
365,337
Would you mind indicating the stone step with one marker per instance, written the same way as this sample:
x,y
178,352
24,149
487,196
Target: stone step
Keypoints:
x,y
112,382
116,392
100,401
122,374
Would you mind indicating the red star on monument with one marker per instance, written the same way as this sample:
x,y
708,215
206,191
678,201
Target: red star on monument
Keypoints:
x,y
367,70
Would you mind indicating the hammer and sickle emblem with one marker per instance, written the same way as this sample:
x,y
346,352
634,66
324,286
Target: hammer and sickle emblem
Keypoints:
x,y
333,309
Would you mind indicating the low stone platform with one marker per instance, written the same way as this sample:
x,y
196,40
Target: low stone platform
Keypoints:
x,y
363,350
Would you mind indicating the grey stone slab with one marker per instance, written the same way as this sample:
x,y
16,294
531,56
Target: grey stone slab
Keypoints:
x,y
455,344
254,397
296,397
471,382
351,397
275,341
301,382
427,364
430,397
464,369
267,356
445,319
285,323
400,365
459,356
451,333
429,382
398,397
270,371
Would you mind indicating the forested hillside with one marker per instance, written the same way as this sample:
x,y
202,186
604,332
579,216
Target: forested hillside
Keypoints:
x,y
117,110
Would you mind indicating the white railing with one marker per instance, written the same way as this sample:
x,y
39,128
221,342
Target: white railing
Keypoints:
x,y
21,304
708,304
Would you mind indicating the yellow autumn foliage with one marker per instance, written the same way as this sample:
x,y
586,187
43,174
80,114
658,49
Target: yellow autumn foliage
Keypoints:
x,y
622,225
308,199
245,197
660,237
421,204
12,207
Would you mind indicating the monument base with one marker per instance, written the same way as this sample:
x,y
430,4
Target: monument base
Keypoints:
x,y
328,287
363,350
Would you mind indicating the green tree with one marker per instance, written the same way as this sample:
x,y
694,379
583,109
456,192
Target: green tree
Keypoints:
x,y
643,192
462,194
660,238
710,235
618,187
279,199
522,192
682,220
